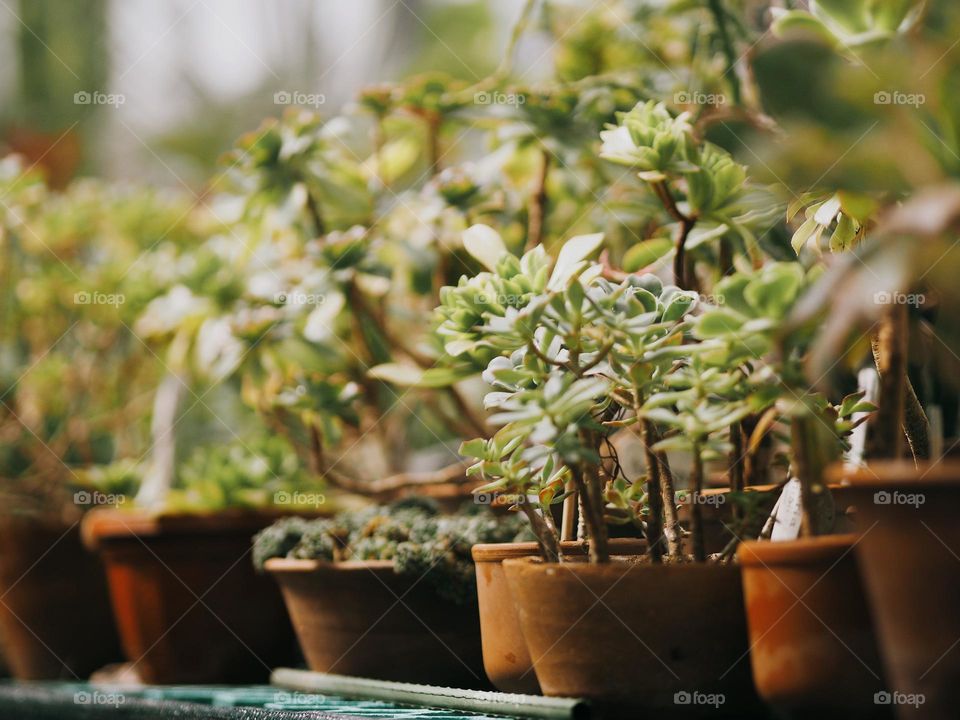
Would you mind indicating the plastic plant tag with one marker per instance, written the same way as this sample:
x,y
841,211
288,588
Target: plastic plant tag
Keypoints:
x,y
787,513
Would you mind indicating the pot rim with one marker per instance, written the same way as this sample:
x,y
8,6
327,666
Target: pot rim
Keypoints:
x,y
531,564
495,552
897,473
802,551
292,566
109,524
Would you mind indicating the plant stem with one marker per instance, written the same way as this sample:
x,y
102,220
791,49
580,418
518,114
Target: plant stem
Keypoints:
x,y
538,203
545,538
720,18
655,516
890,353
313,208
806,469
889,346
686,226
592,500
736,464
696,515
434,121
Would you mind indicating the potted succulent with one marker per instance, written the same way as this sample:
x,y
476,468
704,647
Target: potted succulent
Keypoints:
x,y
385,592
888,288
175,575
72,288
570,362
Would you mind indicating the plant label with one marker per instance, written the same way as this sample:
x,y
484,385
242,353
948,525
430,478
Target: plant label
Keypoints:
x,y
787,513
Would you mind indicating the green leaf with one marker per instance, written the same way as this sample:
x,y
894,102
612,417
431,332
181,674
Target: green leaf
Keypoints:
x,y
646,253
485,245
717,323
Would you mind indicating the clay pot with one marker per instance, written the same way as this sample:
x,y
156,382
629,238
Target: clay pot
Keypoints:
x,y
505,657
188,603
909,556
812,645
54,610
633,636
362,618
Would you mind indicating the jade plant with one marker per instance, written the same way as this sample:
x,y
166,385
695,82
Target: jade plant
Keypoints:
x,y
413,534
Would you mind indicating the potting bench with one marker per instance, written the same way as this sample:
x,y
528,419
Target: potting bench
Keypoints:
x,y
66,701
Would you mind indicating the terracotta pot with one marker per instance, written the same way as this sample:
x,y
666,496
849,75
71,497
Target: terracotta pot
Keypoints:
x,y
188,603
812,645
54,610
505,657
362,618
637,637
909,556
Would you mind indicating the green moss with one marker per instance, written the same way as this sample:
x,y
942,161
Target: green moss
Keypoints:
x,y
412,533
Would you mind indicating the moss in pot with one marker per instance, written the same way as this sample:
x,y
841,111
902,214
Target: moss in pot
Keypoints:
x,y
387,592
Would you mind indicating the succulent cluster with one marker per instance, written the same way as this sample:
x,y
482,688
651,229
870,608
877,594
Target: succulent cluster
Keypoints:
x,y
421,542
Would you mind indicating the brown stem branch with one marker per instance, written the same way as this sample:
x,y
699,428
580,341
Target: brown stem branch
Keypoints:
x,y
538,204
696,512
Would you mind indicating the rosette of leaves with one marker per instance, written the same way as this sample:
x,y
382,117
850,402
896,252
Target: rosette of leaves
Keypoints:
x,y
843,216
421,542
701,187
252,474
475,318
650,139
298,171
850,23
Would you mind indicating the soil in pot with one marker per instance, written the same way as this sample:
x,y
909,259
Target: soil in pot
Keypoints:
x,y
637,637
362,618
505,658
55,614
189,605
812,645
909,556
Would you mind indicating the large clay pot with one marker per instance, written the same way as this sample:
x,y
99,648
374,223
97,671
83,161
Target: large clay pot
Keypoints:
x,y
505,657
812,645
909,556
54,610
636,637
188,603
362,618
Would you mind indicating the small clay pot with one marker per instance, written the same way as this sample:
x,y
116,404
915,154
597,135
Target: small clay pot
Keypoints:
x,y
55,613
362,618
812,644
505,657
909,555
188,603
635,637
